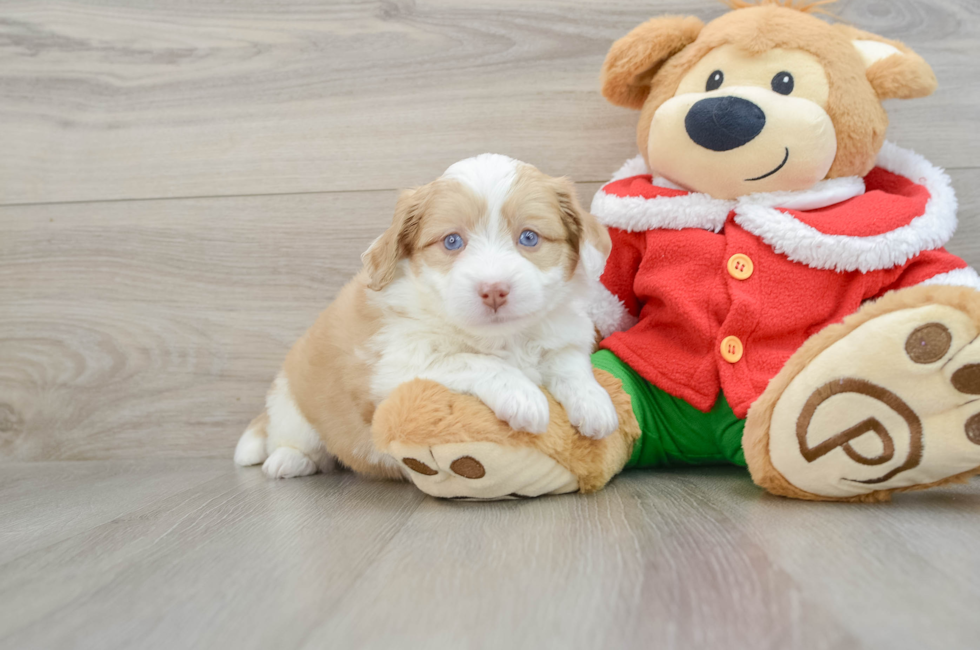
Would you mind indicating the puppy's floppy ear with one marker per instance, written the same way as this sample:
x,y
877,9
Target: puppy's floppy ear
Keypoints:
x,y
635,58
398,241
594,244
894,70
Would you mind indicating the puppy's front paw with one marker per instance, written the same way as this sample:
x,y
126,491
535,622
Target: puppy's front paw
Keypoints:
x,y
591,411
523,408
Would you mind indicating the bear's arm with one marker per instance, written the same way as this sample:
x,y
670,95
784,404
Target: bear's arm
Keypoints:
x,y
616,307
929,267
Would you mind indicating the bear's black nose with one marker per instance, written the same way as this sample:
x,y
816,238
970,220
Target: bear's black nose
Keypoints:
x,y
724,123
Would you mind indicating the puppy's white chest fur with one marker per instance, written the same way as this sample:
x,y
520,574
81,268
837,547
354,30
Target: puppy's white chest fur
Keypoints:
x,y
415,343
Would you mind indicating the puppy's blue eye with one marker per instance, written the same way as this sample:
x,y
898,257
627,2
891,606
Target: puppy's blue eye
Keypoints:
x,y
452,242
529,238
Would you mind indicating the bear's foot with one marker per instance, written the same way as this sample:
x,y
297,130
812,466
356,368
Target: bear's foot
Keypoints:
x,y
452,446
887,401
482,470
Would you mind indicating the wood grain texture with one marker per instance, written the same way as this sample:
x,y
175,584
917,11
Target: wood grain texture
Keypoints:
x,y
670,559
70,498
111,99
897,543
630,567
238,561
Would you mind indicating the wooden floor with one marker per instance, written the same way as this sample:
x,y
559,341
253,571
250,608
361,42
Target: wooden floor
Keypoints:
x,y
198,554
184,185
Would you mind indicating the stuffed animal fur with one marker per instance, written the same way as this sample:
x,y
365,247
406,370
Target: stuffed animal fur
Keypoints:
x,y
778,295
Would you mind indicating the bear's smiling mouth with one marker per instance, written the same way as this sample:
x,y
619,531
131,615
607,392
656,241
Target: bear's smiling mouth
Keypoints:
x,y
781,165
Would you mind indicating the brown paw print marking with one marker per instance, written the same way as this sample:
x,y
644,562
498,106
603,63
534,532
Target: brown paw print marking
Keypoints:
x,y
973,429
468,467
928,343
967,379
419,466
870,425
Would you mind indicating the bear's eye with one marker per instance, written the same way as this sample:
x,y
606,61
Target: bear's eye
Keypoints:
x,y
783,83
715,80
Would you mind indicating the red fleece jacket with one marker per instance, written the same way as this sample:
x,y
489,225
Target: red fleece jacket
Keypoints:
x,y
810,268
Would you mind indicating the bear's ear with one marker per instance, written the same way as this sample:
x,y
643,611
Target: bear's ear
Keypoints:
x,y
894,70
635,58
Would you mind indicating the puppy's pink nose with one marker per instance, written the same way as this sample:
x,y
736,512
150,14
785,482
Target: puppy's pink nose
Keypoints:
x,y
494,294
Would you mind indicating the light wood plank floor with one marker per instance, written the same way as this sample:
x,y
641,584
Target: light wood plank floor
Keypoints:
x,y
184,185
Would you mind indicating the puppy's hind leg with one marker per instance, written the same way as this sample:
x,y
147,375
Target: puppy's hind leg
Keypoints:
x,y
251,448
294,446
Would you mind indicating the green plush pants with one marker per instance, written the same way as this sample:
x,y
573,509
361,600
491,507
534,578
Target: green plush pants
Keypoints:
x,y
672,432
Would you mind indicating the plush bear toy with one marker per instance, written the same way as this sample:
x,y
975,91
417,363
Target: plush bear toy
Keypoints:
x,y
778,292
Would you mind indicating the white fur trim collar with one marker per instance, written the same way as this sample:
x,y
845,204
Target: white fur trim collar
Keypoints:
x,y
697,210
758,214
803,243
965,277
636,214
608,313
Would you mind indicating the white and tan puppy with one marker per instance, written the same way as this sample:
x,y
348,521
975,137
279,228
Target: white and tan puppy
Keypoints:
x,y
482,284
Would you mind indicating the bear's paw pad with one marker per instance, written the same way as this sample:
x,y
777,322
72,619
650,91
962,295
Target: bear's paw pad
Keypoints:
x,y
482,471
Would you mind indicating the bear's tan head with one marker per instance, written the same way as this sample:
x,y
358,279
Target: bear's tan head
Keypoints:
x,y
768,97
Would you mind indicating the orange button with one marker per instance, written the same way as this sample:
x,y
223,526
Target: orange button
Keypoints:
x,y
740,266
732,349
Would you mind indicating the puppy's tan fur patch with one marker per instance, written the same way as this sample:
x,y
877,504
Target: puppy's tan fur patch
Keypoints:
x,y
450,207
330,381
549,206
